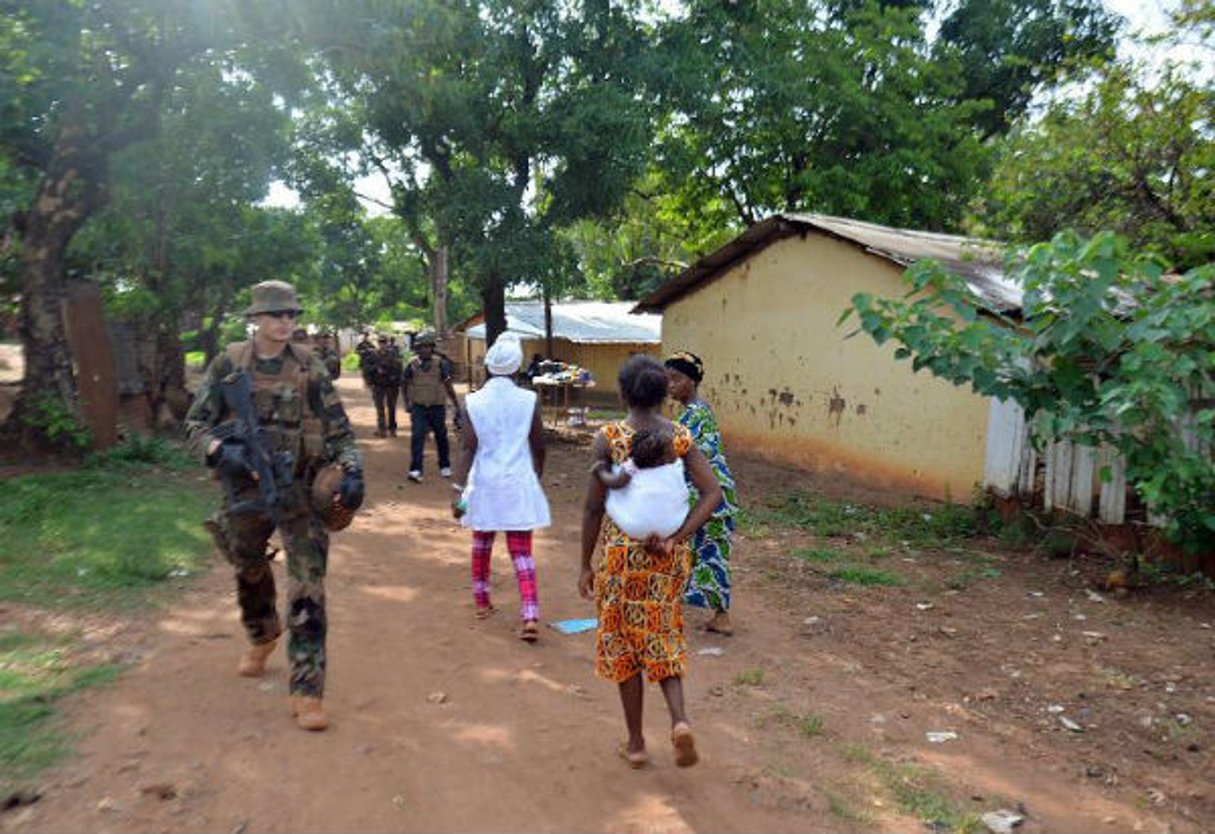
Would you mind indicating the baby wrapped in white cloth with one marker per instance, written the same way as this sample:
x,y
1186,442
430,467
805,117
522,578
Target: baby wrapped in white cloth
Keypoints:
x,y
648,494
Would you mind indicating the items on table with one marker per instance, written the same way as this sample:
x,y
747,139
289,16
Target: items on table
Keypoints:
x,y
558,378
552,372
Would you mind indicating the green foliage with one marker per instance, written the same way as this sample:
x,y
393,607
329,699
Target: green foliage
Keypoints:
x,y
1108,350
102,536
1011,49
137,451
56,422
848,107
36,671
1131,153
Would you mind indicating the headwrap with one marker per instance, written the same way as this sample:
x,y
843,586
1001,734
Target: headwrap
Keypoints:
x,y
506,355
688,364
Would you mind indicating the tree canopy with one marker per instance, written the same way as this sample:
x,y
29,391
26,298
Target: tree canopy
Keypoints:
x,y
580,147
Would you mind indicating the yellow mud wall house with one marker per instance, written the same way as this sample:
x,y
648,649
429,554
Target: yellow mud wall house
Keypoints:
x,y
785,382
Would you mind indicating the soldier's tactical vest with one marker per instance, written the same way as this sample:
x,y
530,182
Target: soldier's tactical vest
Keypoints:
x,y
425,386
281,402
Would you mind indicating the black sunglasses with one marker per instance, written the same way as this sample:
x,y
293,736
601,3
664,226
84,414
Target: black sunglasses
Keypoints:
x,y
283,314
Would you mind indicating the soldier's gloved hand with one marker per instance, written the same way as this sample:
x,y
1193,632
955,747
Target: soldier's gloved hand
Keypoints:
x,y
230,460
351,493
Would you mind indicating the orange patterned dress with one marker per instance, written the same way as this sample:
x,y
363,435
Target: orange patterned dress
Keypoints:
x,y
639,595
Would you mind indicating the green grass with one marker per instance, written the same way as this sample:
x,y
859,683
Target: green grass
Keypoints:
x,y
820,554
917,791
840,809
750,677
97,539
35,672
968,577
928,525
808,724
101,537
868,577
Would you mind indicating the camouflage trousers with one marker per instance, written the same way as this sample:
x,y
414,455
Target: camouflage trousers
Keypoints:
x,y
243,539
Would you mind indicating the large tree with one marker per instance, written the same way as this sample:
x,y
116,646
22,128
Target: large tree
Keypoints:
x,y
180,231
81,82
500,122
849,107
1133,153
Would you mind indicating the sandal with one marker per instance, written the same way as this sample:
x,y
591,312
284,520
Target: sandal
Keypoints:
x,y
485,613
685,745
636,759
530,631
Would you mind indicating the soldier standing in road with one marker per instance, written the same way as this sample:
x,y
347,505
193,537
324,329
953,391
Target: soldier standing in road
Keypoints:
x,y
302,426
329,355
366,351
386,387
427,384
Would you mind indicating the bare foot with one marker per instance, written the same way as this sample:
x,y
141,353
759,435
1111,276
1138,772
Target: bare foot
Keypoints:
x,y
485,612
720,624
530,631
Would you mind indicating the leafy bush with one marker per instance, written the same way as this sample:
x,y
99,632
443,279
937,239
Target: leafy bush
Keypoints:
x,y
141,450
57,422
1108,350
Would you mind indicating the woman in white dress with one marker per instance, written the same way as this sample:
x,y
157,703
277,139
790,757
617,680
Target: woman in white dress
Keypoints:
x,y
497,479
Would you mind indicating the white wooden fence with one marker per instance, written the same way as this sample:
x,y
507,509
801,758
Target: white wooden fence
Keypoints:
x,y
1070,474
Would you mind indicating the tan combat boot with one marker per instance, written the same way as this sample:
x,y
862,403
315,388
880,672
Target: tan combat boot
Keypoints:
x,y
253,661
309,712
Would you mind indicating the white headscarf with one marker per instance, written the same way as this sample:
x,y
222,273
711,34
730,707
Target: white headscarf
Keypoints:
x,y
506,355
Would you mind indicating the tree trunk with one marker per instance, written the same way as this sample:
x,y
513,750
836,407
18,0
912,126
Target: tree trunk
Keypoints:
x,y
170,379
493,299
548,325
437,263
68,193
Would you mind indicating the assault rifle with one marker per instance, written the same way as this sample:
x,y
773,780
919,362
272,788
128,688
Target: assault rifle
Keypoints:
x,y
272,468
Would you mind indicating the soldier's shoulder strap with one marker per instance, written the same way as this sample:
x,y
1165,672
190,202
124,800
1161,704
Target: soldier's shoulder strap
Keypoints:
x,y
240,354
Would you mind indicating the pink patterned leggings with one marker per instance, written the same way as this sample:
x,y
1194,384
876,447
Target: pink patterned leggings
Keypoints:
x,y
519,543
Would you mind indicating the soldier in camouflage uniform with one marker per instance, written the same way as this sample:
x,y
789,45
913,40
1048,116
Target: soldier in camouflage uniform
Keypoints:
x,y
329,356
386,387
295,400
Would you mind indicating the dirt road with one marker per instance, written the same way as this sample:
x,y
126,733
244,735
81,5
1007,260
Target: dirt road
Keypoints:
x,y
445,723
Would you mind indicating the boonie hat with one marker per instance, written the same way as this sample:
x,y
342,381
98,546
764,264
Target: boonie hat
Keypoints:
x,y
427,338
272,297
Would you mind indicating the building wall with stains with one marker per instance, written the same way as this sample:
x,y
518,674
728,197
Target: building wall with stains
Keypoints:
x,y
787,385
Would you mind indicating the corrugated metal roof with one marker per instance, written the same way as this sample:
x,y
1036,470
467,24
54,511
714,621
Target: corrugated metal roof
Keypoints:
x,y
582,322
978,262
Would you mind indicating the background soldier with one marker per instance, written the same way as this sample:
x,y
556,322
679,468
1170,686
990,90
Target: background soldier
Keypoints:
x,y
329,355
366,351
386,387
302,427
427,384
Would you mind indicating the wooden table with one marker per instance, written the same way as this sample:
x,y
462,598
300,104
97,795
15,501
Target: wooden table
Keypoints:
x,y
555,399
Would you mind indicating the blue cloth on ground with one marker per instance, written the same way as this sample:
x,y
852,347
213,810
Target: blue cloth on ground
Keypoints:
x,y
574,626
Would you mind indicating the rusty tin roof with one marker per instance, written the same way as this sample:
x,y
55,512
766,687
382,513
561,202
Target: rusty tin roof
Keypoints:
x,y
978,262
